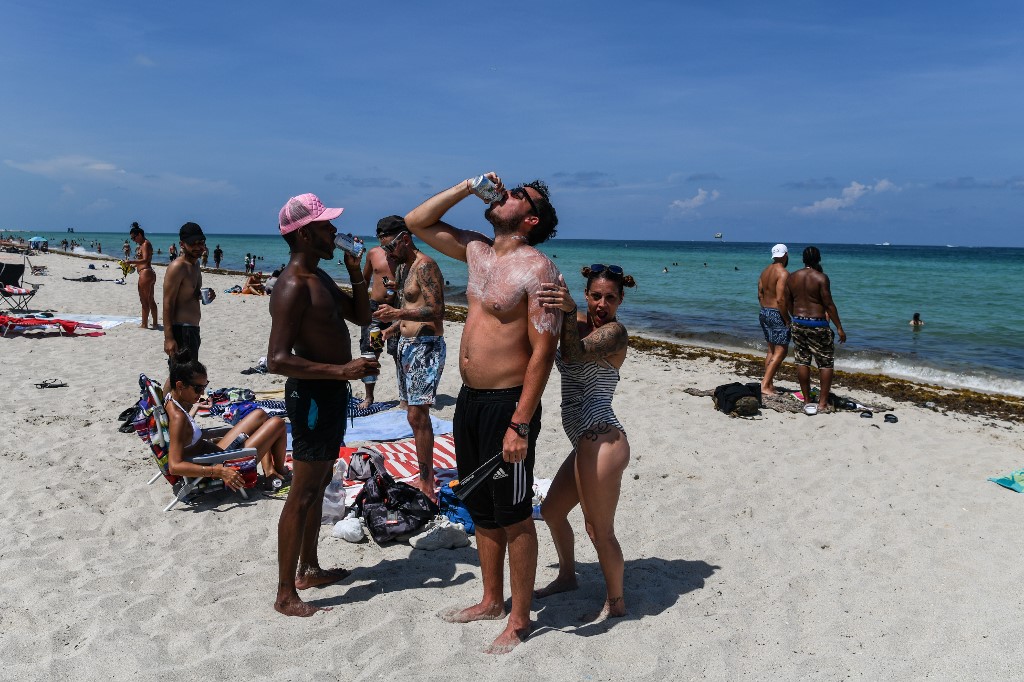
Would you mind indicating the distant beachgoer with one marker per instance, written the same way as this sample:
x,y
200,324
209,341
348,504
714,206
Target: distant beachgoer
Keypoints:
x,y
99,247
268,286
172,252
774,316
182,282
248,262
310,344
592,350
810,305
664,270
126,249
206,255
218,255
254,285
143,263
917,321
379,271
418,320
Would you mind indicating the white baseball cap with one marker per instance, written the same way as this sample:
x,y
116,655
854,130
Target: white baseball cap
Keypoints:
x,y
779,250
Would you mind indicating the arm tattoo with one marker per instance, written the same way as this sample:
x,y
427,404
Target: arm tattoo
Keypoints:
x,y
600,343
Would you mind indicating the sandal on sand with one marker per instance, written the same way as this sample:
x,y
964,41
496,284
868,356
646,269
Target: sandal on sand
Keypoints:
x,y
51,383
891,418
866,414
810,409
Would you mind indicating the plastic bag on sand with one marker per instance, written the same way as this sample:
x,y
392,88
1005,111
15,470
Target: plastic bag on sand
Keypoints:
x,y
350,529
334,496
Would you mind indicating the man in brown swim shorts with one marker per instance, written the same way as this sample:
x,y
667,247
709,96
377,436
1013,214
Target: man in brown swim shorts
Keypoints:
x,y
810,304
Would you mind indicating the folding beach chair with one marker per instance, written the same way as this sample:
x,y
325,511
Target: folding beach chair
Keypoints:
x,y
13,291
151,425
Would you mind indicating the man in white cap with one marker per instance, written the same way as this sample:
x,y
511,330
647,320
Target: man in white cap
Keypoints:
x,y
774,317
310,344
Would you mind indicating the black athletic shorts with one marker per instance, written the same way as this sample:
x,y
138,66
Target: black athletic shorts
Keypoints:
x,y
317,410
186,336
481,420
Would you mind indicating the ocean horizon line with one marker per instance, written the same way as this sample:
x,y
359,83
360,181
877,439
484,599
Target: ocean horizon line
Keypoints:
x,y
577,239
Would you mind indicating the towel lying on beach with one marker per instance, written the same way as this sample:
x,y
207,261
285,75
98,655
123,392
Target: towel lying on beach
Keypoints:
x,y
400,461
21,324
392,425
1014,481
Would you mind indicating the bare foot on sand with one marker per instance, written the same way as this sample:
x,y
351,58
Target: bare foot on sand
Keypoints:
x,y
473,613
365,405
508,640
293,606
613,608
555,586
318,577
143,326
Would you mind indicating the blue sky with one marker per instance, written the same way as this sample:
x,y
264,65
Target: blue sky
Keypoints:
x,y
789,121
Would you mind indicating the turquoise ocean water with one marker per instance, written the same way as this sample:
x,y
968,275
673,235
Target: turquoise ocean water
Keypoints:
x,y
970,298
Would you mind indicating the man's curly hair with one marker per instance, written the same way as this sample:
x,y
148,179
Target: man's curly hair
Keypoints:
x,y
547,219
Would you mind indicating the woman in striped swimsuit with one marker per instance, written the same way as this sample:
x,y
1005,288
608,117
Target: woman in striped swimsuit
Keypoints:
x,y
591,351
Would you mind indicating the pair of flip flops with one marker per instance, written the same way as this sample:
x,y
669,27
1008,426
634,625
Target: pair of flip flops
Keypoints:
x,y
51,383
889,418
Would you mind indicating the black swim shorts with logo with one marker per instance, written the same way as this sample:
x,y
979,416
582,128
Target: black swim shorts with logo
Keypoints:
x,y
317,410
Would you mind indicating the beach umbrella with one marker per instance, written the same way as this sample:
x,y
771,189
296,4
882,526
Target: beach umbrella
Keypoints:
x,y
38,239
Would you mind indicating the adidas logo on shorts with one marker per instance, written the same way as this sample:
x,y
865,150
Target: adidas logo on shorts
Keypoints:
x,y
499,474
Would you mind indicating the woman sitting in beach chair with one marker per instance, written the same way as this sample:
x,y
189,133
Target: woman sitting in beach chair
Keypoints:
x,y
267,435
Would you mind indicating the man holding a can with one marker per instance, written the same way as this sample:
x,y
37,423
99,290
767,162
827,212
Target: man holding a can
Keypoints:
x,y
419,320
183,283
310,344
379,271
507,349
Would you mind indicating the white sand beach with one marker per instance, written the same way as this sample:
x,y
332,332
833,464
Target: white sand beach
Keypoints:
x,y
782,547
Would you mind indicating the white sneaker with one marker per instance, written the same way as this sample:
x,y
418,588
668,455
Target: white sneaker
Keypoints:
x,y
441,534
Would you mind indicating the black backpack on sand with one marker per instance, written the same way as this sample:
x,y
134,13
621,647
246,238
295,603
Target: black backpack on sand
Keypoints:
x,y
739,400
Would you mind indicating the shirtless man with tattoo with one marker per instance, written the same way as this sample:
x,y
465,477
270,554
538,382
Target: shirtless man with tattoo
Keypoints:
x,y
505,357
143,263
310,344
419,319
379,271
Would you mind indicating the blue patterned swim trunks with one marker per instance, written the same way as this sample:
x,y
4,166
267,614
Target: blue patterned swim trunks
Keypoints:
x,y
776,333
420,364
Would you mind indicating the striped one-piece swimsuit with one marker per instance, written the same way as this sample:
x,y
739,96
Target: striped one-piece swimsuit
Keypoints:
x,y
587,390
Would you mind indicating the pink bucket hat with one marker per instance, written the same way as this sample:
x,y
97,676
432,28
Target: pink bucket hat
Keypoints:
x,y
303,210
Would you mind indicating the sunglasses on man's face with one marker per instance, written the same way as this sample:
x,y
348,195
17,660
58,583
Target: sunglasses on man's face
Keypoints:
x,y
390,246
601,267
521,193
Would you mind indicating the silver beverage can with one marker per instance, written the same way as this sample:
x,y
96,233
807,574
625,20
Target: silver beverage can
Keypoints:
x,y
348,244
483,187
206,295
369,378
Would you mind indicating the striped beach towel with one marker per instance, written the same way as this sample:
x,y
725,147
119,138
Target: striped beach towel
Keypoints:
x,y
400,461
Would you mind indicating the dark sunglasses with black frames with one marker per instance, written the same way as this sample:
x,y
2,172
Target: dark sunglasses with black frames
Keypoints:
x,y
199,388
521,193
597,268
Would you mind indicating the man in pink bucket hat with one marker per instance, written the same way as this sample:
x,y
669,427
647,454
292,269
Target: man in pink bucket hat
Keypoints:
x,y
310,344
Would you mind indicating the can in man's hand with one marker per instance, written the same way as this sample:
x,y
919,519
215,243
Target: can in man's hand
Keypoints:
x,y
484,187
206,295
348,244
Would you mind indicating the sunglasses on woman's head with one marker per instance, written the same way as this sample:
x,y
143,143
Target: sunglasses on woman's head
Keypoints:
x,y
601,267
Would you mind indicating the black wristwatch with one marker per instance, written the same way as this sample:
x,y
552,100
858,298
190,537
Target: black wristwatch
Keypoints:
x,y
522,429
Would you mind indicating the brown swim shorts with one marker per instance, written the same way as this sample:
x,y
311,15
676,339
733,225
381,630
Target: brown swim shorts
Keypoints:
x,y
814,342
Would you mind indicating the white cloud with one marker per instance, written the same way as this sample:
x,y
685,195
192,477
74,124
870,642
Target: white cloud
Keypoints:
x,y
849,196
686,205
86,169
